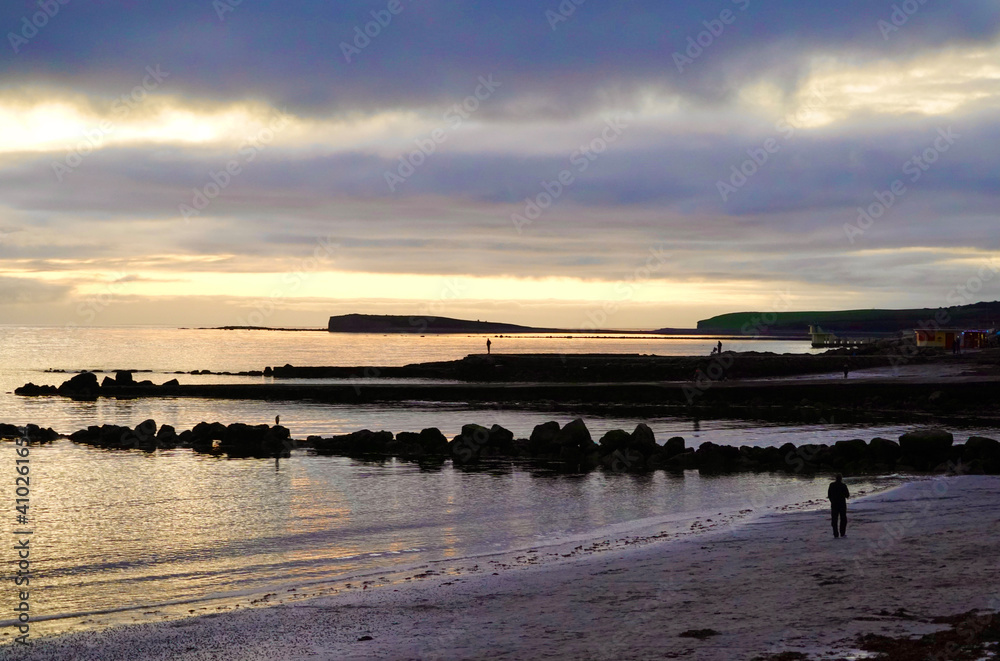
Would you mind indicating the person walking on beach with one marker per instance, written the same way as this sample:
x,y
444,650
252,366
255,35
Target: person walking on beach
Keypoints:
x,y
847,368
488,345
838,495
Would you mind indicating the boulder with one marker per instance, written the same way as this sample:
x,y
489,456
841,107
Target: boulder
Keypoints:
x,y
687,460
31,390
643,440
925,449
124,378
166,437
108,382
615,440
884,452
433,441
983,454
83,385
574,436
171,383
543,439
9,431
142,437
674,446
242,440
359,443
846,453
501,440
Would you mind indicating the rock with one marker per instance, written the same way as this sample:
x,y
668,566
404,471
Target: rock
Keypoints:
x,y
543,437
166,437
9,431
204,435
687,460
143,437
615,440
468,445
846,453
241,440
643,440
359,443
674,446
87,436
81,386
108,382
501,440
883,452
171,383
124,378
574,435
925,449
716,458
433,441
983,454
31,390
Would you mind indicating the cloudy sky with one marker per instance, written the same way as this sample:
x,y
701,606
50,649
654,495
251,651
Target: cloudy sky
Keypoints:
x,y
639,164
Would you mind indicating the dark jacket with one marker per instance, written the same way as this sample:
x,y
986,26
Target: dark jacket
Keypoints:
x,y
838,493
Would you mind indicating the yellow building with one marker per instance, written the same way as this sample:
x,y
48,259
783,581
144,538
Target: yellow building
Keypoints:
x,y
944,338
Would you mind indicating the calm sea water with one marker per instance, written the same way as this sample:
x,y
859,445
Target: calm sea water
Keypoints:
x,y
120,536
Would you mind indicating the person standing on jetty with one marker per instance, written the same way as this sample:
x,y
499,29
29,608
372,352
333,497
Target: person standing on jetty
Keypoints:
x,y
838,495
488,345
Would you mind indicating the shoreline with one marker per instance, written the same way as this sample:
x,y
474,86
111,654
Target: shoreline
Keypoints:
x,y
793,387
773,583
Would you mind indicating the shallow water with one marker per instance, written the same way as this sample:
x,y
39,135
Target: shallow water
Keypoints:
x,y
129,532
132,531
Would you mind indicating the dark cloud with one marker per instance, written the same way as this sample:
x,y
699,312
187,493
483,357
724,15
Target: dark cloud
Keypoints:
x,y
25,291
433,52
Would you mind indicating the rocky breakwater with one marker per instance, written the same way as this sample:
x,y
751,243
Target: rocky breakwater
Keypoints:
x,y
573,447
235,440
33,433
85,386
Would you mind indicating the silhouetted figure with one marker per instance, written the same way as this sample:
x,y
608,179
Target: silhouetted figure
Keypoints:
x,y
847,369
838,495
277,419
958,344
488,345
718,348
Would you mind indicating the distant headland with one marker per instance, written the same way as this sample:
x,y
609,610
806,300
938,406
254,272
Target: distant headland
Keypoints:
x,y
977,315
391,323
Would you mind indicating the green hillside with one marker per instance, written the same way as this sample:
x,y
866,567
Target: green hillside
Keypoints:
x,y
977,315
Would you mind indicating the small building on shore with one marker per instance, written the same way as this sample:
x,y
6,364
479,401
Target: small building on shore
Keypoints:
x,y
945,338
826,339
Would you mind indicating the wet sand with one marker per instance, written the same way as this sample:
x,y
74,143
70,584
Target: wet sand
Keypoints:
x,y
730,588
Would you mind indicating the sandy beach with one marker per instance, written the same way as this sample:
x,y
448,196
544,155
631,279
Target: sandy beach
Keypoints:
x,y
735,587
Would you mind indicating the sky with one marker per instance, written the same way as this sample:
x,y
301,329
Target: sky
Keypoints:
x,y
573,163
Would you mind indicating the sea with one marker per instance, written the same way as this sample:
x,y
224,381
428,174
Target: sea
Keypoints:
x,y
129,536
